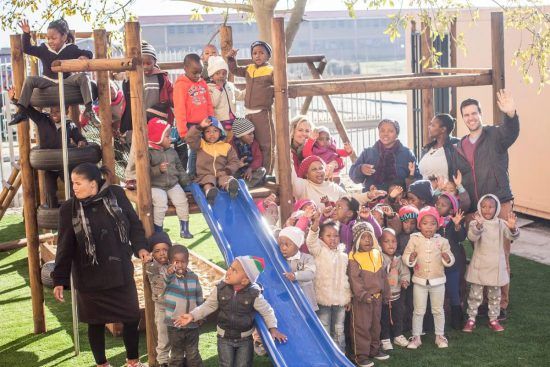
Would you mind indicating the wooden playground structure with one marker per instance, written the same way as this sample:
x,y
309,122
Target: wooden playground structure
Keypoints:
x,y
426,81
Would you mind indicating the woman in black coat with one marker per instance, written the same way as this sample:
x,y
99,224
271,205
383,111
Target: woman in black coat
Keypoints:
x,y
98,233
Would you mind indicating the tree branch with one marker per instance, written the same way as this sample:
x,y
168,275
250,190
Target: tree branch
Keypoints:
x,y
214,4
296,17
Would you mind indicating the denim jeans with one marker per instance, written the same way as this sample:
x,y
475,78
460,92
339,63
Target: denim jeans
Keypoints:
x,y
420,299
235,352
332,318
185,346
452,286
163,343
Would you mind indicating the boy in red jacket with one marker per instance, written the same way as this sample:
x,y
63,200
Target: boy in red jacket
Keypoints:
x,y
192,102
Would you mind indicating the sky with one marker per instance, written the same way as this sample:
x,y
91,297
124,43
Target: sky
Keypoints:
x,y
171,7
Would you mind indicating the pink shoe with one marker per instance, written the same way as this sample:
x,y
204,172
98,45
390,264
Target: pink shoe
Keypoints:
x,y
469,326
496,326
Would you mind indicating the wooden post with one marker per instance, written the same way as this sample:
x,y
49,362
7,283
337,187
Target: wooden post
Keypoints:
x,y
307,101
454,63
29,202
427,94
144,202
226,44
497,57
104,96
332,110
282,127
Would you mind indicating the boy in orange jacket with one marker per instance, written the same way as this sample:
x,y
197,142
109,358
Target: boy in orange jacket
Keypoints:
x,y
192,102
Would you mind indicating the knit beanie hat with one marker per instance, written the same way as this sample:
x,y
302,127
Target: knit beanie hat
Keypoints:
x,y
358,229
216,63
159,110
423,190
322,129
148,49
299,204
408,212
453,200
158,237
263,44
304,166
392,122
429,210
217,125
242,126
295,234
156,128
252,266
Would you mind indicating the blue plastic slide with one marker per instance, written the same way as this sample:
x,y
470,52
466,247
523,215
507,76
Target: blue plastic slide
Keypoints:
x,y
238,228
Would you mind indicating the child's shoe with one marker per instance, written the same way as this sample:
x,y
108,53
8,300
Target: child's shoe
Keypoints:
x,y
233,188
441,341
259,348
414,342
400,340
496,326
135,364
184,229
381,356
386,344
503,315
366,363
211,195
469,326
91,116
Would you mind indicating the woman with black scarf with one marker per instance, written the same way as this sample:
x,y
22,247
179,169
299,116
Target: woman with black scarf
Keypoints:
x,y
386,163
98,233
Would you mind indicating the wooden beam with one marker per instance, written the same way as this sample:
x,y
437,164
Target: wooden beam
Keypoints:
x,y
290,59
226,45
333,113
454,70
497,58
8,193
77,65
351,78
282,125
29,202
78,35
104,96
428,110
139,138
387,85
15,244
307,101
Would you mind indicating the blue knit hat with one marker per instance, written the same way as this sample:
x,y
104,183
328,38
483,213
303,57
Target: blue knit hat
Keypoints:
x,y
217,125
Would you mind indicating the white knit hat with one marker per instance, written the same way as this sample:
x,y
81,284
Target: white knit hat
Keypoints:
x,y
295,234
216,63
242,126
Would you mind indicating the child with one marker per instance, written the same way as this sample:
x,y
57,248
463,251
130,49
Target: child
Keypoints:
x,y
157,92
408,215
159,244
420,194
269,210
248,151
331,281
428,253
118,105
399,277
208,51
60,46
453,230
217,161
223,93
192,103
369,286
167,177
487,268
239,298
259,96
183,294
302,265
322,145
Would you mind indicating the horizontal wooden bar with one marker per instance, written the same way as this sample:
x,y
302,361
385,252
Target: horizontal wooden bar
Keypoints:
x,y
458,71
77,65
351,78
387,84
78,35
15,244
171,65
302,59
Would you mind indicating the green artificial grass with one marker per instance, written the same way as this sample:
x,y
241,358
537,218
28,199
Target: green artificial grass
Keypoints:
x,y
524,342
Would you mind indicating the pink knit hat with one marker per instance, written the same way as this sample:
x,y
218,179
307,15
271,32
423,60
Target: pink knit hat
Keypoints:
x,y
304,166
429,210
299,204
453,200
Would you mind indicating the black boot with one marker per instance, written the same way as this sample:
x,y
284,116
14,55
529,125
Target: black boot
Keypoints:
x,y
457,317
184,229
18,117
211,195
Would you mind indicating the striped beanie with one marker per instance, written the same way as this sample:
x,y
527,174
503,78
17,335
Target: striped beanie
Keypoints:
x,y
242,127
148,49
358,229
252,266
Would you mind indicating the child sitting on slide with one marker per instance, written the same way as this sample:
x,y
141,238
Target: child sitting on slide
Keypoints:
x,y
59,46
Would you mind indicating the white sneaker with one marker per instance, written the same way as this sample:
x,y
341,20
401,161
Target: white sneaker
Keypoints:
x,y
401,341
386,344
414,342
441,341
366,364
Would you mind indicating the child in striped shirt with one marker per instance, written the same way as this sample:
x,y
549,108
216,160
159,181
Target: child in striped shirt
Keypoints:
x,y
183,293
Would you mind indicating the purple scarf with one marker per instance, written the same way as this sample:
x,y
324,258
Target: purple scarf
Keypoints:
x,y
386,169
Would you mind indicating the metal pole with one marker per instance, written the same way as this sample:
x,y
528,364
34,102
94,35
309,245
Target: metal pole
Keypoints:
x,y
66,179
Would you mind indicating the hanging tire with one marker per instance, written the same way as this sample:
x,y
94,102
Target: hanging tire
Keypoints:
x,y
46,274
52,159
48,97
47,218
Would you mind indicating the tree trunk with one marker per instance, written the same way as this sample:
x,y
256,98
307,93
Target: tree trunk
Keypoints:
x,y
264,10
294,22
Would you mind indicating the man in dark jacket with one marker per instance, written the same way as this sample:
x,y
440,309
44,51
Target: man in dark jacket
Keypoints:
x,y
484,152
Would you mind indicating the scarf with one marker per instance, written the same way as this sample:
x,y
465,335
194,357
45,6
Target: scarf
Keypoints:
x,y
81,224
386,170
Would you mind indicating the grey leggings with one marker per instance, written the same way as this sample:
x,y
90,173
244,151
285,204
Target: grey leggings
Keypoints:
x,y
80,80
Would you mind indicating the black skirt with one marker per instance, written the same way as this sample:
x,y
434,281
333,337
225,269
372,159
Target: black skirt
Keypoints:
x,y
109,305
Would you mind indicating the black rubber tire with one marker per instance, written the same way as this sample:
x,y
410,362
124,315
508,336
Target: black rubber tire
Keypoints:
x,y
47,218
52,159
46,274
48,97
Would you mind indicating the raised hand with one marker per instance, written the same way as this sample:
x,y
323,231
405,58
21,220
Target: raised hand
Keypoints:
x,y
512,220
309,211
457,218
314,135
441,182
205,123
328,211
412,168
348,148
232,53
364,212
375,194
24,25
506,102
479,219
388,211
396,191
368,169
458,178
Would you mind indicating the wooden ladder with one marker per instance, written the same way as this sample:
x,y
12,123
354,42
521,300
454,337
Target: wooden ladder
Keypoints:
x,y
9,189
